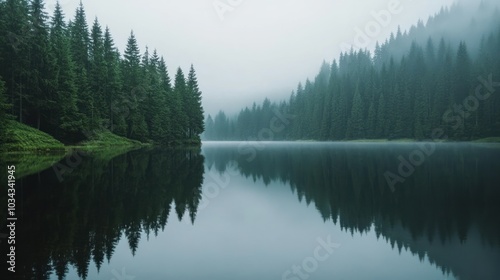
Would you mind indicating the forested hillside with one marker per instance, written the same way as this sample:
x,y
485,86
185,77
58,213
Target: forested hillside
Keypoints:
x,y
434,81
70,81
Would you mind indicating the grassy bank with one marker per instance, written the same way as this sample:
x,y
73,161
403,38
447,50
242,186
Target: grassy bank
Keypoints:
x,y
106,140
32,150
25,139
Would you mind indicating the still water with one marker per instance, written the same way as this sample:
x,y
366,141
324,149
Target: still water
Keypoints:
x,y
267,211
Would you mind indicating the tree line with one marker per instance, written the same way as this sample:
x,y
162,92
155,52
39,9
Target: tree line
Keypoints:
x,y
409,87
71,81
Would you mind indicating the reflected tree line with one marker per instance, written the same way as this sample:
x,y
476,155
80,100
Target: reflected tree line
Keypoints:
x,y
453,193
81,220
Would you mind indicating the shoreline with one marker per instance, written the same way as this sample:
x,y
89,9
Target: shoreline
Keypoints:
x,y
26,140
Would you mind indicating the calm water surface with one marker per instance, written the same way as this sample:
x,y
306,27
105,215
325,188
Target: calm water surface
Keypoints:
x,y
268,211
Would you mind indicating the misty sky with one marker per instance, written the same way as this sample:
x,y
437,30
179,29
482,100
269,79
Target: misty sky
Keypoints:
x,y
257,48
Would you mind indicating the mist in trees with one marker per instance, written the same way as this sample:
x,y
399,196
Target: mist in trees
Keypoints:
x,y
68,79
414,84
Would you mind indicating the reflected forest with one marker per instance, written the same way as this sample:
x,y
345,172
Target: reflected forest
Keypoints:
x,y
440,206
86,214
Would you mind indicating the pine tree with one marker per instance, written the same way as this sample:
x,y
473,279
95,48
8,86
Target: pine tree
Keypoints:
x,y
4,107
195,112
41,90
79,45
380,131
167,98
209,131
158,105
371,120
15,38
356,126
66,116
134,93
97,74
461,89
180,106
111,88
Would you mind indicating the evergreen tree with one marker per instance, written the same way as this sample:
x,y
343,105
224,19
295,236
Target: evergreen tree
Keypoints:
x,y
380,130
159,107
180,106
209,131
133,92
4,106
66,113
461,89
356,126
195,110
15,38
111,87
41,90
97,74
167,100
67,82
79,45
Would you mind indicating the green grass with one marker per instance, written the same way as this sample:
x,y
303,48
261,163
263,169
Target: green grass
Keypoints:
x,y
106,139
23,138
32,150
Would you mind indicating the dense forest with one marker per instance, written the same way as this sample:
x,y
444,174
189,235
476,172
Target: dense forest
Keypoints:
x,y
71,81
435,80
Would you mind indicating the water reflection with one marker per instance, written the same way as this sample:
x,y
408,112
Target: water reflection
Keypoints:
x,y
446,210
82,219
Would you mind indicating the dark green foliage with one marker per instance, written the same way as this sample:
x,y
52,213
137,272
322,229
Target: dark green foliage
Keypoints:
x,y
195,110
111,86
355,125
74,85
97,74
14,39
41,95
180,106
79,44
4,106
134,93
66,116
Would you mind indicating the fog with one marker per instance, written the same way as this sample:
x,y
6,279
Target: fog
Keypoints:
x,y
244,51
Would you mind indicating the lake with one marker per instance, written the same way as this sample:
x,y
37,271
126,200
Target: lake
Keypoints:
x,y
276,210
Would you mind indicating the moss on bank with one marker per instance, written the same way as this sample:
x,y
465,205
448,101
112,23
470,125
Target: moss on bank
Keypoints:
x,y
23,138
32,150
106,139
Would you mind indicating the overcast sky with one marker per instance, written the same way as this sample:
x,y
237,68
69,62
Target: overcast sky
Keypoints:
x,y
245,50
